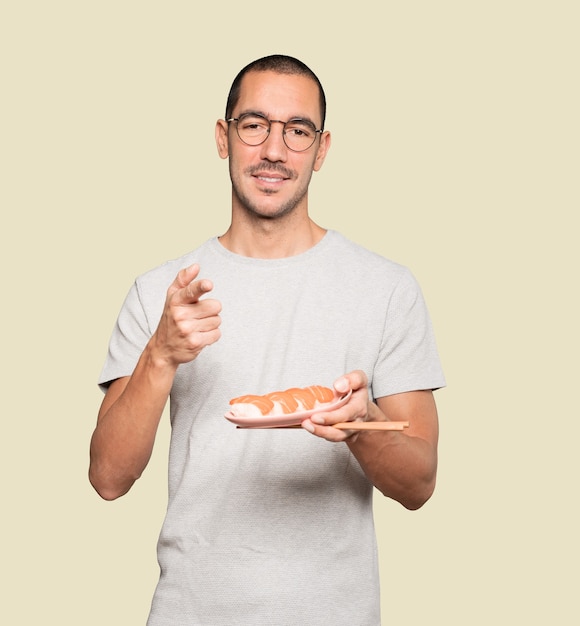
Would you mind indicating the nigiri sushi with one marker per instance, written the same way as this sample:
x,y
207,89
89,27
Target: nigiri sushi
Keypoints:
x,y
285,402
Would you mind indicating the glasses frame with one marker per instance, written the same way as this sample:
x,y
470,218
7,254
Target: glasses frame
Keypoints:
x,y
270,122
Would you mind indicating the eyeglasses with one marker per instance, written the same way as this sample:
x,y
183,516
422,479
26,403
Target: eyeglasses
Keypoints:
x,y
253,129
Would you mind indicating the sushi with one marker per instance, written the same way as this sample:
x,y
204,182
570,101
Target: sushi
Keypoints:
x,y
285,402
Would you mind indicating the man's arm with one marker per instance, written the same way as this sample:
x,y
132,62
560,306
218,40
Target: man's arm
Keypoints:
x,y
401,464
129,416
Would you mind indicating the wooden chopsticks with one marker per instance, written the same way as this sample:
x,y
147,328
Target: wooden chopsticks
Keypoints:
x,y
348,426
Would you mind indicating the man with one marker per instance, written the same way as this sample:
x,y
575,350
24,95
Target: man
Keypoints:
x,y
271,527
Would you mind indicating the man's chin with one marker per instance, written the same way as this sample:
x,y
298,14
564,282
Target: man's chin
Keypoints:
x,y
268,205
267,210
271,213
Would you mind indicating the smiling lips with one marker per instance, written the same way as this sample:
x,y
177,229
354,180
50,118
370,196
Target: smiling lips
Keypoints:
x,y
270,175
269,179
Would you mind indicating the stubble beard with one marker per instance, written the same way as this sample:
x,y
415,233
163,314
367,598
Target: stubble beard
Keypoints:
x,y
253,208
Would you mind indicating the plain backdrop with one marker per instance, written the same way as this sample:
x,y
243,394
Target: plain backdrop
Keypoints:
x,y
455,152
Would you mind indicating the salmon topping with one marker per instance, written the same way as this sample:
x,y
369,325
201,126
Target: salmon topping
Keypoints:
x,y
288,401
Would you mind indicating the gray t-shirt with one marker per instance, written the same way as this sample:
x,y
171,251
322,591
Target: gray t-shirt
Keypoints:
x,y
274,527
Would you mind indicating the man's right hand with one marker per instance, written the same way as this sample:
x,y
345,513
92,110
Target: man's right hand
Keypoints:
x,y
188,323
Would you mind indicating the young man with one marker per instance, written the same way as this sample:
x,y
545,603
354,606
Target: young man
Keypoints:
x,y
271,526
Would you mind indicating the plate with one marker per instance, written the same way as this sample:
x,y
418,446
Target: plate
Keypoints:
x,y
288,419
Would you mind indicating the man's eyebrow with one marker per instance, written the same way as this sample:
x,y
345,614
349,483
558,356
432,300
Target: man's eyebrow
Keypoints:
x,y
304,118
252,112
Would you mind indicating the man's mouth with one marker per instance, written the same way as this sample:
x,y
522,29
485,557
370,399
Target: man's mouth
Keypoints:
x,y
270,175
269,179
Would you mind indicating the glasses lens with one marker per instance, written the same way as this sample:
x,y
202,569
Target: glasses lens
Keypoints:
x,y
253,129
299,135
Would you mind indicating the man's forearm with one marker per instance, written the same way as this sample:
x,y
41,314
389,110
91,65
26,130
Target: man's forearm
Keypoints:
x,y
123,440
401,467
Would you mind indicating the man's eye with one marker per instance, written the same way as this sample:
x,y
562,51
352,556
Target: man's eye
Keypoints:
x,y
254,124
299,130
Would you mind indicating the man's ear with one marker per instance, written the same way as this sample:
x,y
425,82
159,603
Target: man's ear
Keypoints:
x,y
221,138
322,151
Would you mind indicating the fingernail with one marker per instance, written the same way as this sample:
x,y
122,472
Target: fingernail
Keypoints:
x,y
317,419
308,426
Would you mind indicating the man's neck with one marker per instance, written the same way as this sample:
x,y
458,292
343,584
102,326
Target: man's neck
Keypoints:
x,y
271,239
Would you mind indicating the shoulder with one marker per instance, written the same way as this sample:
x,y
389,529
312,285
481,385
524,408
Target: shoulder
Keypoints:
x,y
353,257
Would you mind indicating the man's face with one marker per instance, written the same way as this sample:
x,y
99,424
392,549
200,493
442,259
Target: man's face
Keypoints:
x,y
270,180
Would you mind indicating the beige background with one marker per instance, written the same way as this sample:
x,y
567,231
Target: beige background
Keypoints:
x,y
456,152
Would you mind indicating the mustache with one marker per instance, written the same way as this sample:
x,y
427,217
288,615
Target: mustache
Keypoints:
x,y
271,168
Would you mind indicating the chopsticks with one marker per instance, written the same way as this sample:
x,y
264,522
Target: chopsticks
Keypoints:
x,y
371,425
347,426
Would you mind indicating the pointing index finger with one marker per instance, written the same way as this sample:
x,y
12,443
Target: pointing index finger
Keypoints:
x,y
185,289
192,293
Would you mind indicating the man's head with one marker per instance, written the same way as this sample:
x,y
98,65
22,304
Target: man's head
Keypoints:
x,y
280,64
273,137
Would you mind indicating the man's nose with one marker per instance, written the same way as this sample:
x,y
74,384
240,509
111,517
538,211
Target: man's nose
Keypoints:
x,y
274,148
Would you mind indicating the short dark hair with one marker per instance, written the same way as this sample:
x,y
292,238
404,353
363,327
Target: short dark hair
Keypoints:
x,y
280,64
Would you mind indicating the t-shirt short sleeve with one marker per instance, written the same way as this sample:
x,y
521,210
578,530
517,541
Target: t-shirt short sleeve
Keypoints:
x,y
408,359
129,337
